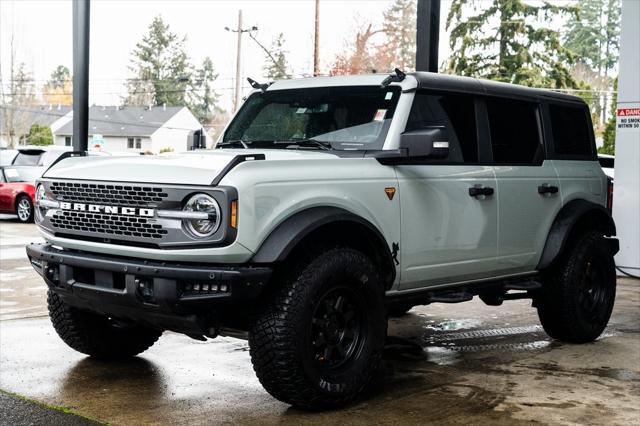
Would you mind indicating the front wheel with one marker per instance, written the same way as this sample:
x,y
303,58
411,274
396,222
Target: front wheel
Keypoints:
x,y
578,295
96,335
318,342
24,209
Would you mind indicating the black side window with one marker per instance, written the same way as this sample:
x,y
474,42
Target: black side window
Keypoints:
x,y
570,127
515,133
454,112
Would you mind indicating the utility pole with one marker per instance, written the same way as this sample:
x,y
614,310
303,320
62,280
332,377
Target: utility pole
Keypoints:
x,y
316,42
236,101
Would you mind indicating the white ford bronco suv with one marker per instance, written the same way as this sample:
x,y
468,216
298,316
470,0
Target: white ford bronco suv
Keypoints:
x,y
329,204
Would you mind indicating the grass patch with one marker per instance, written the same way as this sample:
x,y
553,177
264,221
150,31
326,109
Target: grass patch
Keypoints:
x,y
65,410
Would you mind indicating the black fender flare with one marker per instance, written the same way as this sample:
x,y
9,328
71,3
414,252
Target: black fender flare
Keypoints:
x,y
565,223
289,233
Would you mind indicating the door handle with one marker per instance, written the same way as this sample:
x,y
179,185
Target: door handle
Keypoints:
x,y
480,190
545,188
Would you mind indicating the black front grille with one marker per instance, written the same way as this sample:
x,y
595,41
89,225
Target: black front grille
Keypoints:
x,y
109,224
134,196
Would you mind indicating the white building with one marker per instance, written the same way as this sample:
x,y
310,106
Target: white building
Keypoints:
x,y
134,129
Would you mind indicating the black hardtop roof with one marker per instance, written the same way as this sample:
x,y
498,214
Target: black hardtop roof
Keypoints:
x,y
448,82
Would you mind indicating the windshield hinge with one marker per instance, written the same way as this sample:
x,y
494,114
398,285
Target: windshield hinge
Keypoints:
x,y
256,85
397,76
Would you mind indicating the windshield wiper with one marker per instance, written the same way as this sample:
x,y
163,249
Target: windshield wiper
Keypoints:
x,y
232,142
306,142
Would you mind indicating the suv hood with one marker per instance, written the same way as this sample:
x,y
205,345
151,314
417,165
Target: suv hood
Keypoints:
x,y
190,168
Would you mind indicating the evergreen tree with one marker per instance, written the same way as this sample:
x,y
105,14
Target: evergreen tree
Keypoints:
x,y
276,64
203,98
510,40
594,34
399,26
161,68
58,89
609,135
40,135
59,77
594,39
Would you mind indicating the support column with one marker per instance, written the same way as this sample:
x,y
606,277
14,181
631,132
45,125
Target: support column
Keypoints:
x,y
81,15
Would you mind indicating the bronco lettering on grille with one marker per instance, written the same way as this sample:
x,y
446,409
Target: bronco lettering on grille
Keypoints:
x,y
97,208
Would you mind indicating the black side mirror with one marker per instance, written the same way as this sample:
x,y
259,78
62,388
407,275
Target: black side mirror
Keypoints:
x,y
430,142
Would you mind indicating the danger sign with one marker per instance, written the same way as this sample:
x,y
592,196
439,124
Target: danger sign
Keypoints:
x,y
628,119
626,112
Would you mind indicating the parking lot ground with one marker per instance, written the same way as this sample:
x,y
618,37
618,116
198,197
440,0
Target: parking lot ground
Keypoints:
x,y
457,364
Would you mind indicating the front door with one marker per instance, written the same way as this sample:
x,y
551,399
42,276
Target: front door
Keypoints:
x,y
449,233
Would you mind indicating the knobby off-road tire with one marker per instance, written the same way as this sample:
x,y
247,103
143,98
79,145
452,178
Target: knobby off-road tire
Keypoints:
x,y
318,341
96,335
578,293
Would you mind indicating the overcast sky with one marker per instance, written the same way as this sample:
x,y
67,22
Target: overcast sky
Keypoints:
x,y
42,33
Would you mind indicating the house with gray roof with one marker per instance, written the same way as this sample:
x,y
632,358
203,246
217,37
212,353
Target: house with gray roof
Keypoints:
x,y
134,129
19,119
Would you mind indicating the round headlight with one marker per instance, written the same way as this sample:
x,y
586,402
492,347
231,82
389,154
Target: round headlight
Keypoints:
x,y
203,203
41,193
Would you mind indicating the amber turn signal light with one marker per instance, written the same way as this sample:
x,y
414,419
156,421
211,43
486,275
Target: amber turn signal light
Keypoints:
x,y
234,214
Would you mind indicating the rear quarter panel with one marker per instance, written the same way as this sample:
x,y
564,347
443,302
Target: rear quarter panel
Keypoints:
x,y
581,180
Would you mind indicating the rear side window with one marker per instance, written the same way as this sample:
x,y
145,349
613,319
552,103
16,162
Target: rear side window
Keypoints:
x,y
26,158
570,127
454,112
515,132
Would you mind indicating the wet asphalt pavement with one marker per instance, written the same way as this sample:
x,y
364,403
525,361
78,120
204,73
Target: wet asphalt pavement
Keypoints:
x,y
458,364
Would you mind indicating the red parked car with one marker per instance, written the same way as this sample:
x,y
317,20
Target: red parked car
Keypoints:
x,y
17,190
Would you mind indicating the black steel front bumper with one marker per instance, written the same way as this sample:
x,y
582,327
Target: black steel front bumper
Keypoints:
x,y
188,298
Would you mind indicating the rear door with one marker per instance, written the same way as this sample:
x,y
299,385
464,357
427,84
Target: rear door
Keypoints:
x,y
574,154
448,235
528,188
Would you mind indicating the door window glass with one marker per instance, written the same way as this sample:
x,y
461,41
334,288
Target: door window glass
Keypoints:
x,y
570,127
456,113
515,133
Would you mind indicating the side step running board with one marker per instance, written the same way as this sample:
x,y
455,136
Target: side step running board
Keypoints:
x,y
524,285
453,297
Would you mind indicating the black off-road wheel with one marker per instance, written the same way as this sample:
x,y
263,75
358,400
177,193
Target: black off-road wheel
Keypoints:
x,y
578,294
318,341
98,336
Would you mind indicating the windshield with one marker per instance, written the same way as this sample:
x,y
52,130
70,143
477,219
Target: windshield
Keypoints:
x,y
338,117
23,174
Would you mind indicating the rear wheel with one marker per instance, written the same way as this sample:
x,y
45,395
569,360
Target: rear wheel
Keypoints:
x,y
96,335
578,295
24,209
319,340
